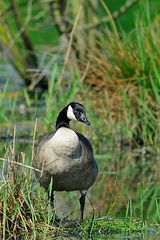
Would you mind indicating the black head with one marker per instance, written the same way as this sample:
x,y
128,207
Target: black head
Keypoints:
x,y
76,111
73,111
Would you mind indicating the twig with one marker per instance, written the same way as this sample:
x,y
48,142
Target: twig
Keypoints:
x,y
70,43
13,155
34,136
14,143
21,164
85,72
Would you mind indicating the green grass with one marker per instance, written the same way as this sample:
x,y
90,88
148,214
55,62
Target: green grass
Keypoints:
x,y
24,213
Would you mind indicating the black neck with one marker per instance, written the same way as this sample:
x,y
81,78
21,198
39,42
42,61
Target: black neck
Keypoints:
x,y
62,120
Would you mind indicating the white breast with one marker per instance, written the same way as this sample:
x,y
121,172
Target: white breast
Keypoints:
x,y
65,141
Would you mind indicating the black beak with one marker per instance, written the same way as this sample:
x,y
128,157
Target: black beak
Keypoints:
x,y
84,119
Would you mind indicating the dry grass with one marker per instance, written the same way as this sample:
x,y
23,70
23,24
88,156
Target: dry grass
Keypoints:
x,y
124,79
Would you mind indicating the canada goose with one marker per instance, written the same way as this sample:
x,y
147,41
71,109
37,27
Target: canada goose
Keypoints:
x,y
66,157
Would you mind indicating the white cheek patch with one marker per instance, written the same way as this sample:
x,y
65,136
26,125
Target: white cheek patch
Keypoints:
x,y
70,113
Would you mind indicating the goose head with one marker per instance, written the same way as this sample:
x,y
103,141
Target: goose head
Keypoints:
x,y
73,111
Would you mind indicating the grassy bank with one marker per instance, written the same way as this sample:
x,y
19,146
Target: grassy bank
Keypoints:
x,y
25,213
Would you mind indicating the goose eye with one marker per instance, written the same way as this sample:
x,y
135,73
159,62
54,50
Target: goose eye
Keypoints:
x,y
75,110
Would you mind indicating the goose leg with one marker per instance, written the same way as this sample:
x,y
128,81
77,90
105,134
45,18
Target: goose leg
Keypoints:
x,y
82,204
